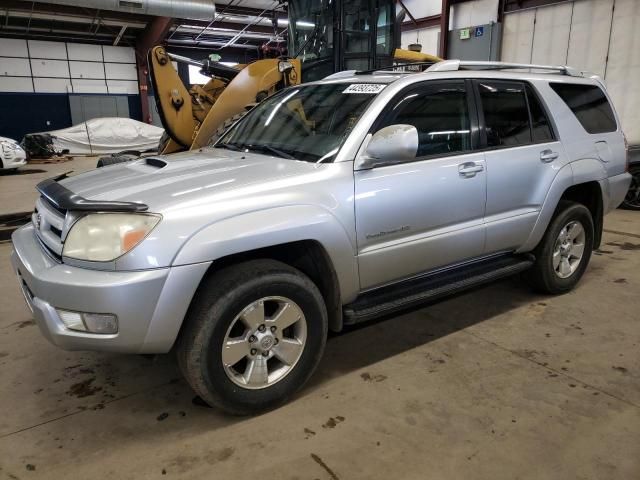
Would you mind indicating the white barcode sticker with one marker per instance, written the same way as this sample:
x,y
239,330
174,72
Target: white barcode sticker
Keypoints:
x,y
367,88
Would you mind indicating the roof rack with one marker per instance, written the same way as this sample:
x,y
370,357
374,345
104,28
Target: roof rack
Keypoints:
x,y
397,65
453,65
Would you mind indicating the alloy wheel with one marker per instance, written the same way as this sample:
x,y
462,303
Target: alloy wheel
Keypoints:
x,y
264,342
569,249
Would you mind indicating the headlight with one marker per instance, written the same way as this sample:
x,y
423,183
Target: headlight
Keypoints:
x,y
102,237
8,146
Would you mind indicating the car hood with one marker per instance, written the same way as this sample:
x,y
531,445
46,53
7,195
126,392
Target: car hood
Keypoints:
x,y
164,182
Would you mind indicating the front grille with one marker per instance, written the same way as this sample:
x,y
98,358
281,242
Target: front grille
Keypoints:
x,y
48,222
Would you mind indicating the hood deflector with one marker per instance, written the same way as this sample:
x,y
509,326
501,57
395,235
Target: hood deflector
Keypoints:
x,y
63,198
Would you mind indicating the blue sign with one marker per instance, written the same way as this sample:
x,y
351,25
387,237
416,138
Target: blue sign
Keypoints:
x,y
479,31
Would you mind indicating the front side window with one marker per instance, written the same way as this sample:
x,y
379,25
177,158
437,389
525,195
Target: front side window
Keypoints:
x,y
590,106
302,123
506,116
440,114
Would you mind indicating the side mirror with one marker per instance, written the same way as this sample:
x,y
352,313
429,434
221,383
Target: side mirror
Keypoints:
x,y
389,145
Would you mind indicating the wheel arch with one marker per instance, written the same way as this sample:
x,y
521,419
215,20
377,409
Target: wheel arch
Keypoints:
x,y
579,182
305,237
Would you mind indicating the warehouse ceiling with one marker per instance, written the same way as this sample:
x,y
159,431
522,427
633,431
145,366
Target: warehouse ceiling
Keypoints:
x,y
238,24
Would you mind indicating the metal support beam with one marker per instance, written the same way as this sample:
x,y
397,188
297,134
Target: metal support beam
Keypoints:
x,y
514,5
444,28
119,36
424,22
154,34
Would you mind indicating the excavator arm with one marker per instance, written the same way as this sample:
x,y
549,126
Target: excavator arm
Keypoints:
x,y
191,117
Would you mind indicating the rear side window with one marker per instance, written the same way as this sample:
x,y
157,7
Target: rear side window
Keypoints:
x,y
540,128
506,116
590,106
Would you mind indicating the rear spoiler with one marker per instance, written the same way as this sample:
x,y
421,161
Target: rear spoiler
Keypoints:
x,y
64,199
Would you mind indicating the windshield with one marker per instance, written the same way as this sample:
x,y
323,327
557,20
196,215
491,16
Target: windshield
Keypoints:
x,y
303,123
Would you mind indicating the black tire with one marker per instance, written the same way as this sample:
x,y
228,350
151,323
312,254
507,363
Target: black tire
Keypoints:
x,y
226,125
632,199
542,276
219,299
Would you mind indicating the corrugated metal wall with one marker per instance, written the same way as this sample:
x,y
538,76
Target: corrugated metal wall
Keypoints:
x,y
38,78
58,67
600,36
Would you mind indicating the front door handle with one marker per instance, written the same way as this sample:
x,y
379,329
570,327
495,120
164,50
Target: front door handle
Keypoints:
x,y
469,169
548,156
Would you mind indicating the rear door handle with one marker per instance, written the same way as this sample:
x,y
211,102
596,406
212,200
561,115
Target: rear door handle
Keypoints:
x,y
548,156
469,169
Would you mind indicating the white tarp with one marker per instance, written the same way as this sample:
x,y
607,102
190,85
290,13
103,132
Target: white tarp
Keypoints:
x,y
106,135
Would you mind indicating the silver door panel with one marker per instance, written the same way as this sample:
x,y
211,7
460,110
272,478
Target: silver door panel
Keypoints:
x,y
415,217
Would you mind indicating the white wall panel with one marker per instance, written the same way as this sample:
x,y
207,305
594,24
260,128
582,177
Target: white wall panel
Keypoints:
x,y
86,69
470,14
15,67
81,51
589,39
123,87
89,86
623,70
121,71
581,34
551,36
427,37
517,36
11,47
52,85
54,50
118,54
50,68
15,84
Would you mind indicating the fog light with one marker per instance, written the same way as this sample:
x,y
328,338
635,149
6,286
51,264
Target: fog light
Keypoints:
x,y
89,322
72,320
101,322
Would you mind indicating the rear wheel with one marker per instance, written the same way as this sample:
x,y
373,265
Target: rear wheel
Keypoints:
x,y
254,335
632,200
564,252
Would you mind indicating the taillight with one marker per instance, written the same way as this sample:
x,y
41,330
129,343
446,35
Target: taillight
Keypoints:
x,y
626,153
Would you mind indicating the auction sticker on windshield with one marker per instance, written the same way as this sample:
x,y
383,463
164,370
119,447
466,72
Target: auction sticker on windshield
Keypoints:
x,y
371,88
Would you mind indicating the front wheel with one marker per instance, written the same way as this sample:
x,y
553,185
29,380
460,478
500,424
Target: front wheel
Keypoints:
x,y
564,252
254,335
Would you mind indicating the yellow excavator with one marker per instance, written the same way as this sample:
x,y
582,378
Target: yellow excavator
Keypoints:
x,y
324,37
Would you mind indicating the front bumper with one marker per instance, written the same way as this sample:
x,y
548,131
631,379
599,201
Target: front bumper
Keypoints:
x,y
150,304
14,159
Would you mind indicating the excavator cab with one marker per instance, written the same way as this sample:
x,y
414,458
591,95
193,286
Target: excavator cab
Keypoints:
x,y
329,36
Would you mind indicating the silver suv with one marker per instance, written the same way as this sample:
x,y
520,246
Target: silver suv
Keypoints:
x,y
328,204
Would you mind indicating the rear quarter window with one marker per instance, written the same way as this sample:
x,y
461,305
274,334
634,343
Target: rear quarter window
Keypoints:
x,y
590,106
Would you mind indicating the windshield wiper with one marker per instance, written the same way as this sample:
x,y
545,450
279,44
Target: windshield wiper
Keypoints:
x,y
269,148
229,146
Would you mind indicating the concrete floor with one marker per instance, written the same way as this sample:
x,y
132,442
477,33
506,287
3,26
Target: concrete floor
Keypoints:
x,y
498,383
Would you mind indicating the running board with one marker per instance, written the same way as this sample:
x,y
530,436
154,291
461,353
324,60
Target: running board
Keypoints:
x,y
426,289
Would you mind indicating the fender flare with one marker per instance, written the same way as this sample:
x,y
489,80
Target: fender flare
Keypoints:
x,y
272,227
571,174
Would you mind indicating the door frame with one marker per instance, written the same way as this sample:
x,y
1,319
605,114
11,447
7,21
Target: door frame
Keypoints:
x,y
472,106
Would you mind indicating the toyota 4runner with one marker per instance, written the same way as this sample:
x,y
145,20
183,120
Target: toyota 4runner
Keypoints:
x,y
328,204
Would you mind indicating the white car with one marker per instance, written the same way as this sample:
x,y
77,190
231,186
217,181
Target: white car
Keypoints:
x,y
12,156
